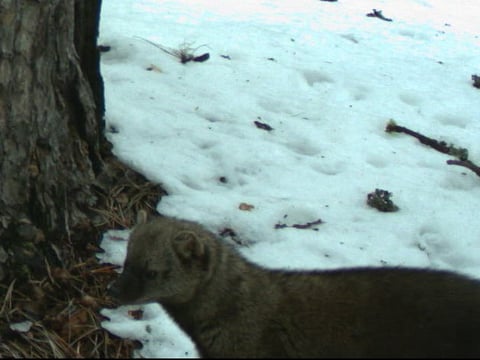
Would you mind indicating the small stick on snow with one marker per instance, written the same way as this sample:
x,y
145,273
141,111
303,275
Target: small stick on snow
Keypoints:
x,y
465,163
460,153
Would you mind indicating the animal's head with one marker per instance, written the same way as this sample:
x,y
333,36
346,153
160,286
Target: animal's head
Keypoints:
x,y
167,260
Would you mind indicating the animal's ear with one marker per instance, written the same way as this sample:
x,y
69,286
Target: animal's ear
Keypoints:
x,y
188,246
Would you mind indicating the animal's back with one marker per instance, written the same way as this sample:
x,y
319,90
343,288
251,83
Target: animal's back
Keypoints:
x,y
384,312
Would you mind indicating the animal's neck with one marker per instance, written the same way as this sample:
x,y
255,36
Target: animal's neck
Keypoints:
x,y
233,285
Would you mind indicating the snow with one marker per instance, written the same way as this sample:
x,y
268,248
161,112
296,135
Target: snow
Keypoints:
x,y
327,79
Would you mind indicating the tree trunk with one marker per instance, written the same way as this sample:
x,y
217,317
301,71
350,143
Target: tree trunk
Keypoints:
x,y
51,121
60,186
49,149
55,163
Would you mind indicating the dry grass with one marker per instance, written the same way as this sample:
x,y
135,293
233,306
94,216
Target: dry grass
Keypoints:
x,y
121,203
63,311
63,307
185,53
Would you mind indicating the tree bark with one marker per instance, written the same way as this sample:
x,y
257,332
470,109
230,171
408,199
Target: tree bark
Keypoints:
x,y
60,186
53,154
49,149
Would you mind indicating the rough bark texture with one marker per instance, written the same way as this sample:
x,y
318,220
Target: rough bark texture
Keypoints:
x,y
51,122
60,186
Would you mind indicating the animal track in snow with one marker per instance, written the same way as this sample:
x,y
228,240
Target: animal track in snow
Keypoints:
x,y
303,147
359,92
428,240
416,35
410,99
192,184
458,182
313,77
328,167
377,160
439,250
453,120
350,37
205,145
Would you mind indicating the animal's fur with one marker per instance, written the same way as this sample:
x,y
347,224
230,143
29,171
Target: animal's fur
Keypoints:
x,y
233,308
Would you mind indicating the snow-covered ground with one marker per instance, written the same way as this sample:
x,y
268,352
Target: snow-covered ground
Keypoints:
x,y
327,79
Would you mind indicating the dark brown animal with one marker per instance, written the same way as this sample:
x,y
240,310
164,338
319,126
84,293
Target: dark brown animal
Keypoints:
x,y
233,308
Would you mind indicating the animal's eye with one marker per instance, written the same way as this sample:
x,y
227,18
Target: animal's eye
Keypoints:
x,y
151,274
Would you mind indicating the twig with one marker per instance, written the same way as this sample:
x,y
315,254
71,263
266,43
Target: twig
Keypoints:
x,y
465,163
460,153
307,225
441,146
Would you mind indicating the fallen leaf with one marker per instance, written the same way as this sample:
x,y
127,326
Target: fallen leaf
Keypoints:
x,y
136,314
263,126
245,206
